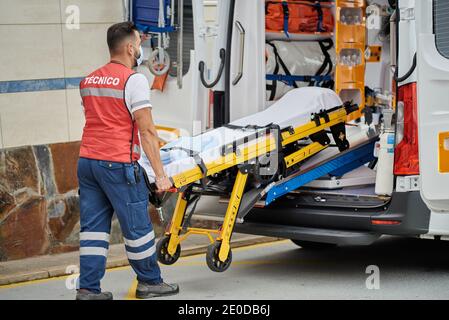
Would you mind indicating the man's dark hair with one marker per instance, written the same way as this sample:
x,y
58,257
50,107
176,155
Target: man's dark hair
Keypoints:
x,y
119,32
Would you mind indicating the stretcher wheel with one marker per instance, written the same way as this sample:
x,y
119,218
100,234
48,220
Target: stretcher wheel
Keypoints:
x,y
162,252
213,261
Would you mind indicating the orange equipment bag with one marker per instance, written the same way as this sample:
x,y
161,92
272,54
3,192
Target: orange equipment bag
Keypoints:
x,y
159,82
299,16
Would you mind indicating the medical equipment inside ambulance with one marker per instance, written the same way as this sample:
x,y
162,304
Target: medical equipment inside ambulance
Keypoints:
x,y
298,64
156,18
324,136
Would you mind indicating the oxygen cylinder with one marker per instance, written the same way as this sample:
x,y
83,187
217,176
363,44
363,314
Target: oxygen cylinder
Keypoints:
x,y
385,153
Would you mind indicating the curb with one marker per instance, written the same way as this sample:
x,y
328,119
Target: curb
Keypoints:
x,y
60,271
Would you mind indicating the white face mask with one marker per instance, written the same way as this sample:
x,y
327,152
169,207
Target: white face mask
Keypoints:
x,y
139,58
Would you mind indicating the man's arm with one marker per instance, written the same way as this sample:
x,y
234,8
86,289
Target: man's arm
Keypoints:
x,y
150,145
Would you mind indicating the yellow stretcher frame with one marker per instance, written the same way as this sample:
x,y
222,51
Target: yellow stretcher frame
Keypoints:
x,y
238,157
267,144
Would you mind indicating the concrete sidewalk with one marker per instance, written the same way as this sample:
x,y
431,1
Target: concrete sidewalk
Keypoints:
x,y
43,267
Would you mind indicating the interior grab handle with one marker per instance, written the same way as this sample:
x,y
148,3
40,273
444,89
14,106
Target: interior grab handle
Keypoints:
x,y
180,44
242,52
202,67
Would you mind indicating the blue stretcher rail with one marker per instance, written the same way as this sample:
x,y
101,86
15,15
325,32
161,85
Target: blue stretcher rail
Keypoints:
x,y
337,166
290,80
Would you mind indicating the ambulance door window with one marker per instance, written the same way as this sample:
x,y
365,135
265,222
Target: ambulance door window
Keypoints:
x,y
441,26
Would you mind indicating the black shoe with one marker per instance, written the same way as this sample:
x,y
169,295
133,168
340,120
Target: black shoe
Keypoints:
x,y
84,294
145,290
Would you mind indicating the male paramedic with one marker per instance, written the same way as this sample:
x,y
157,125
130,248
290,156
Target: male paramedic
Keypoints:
x,y
117,108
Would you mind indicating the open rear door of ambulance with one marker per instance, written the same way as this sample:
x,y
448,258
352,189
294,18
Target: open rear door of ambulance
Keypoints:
x,y
432,17
247,63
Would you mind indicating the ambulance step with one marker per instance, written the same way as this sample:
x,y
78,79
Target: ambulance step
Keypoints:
x,y
340,237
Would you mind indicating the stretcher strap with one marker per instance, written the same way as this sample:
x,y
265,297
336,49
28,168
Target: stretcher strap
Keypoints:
x,y
316,117
319,10
325,46
258,132
350,107
279,61
272,87
291,80
286,17
198,160
247,127
319,79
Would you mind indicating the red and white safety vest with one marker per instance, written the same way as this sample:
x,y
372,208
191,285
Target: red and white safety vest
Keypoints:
x,y
110,133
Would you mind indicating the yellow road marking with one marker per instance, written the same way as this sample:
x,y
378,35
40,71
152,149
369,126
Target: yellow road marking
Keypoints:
x,y
64,277
254,262
132,291
27,283
31,282
251,246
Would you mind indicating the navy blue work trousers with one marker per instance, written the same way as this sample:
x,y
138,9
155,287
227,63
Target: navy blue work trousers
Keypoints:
x,y
107,187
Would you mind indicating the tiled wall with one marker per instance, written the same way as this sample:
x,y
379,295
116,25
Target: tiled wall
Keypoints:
x,y
36,44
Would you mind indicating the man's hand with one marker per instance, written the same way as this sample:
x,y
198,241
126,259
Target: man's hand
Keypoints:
x,y
163,183
150,145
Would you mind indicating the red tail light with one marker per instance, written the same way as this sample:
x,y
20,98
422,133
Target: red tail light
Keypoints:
x,y
385,222
406,158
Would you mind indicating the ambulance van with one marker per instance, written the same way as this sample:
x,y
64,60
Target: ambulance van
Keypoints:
x,y
263,49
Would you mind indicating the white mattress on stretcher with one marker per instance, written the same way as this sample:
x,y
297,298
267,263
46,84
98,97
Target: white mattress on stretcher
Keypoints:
x,y
292,110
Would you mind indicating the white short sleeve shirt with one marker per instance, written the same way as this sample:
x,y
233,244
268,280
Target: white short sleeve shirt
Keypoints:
x,y
137,93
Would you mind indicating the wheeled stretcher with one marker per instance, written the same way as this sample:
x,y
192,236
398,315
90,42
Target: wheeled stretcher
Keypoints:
x,y
246,155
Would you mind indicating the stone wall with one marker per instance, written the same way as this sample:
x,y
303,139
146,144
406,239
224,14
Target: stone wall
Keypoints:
x,y
39,208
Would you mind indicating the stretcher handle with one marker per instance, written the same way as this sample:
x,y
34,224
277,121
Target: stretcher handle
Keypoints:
x,y
154,190
156,198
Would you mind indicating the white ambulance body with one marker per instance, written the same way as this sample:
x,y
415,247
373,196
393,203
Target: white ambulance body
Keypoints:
x,y
419,203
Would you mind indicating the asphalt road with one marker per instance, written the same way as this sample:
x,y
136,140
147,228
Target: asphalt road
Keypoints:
x,y
403,269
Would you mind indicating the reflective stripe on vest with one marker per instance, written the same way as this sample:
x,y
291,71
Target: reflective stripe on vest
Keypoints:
x,y
102,92
110,132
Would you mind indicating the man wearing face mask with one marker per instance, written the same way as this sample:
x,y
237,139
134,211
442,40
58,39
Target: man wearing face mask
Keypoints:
x,y
117,108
